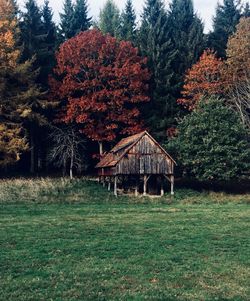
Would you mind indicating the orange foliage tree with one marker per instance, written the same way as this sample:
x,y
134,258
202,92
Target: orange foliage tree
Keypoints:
x,y
101,82
203,79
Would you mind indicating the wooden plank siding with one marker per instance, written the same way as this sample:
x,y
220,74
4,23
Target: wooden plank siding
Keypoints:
x,y
137,155
145,157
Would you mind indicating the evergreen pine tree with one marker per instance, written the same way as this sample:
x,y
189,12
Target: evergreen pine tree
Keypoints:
x,y
109,19
66,24
128,23
38,49
38,34
156,45
33,32
50,41
187,36
81,21
224,25
47,17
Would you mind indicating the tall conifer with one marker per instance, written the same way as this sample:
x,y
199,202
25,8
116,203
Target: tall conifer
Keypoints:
x,y
128,23
36,49
81,20
47,16
156,45
109,19
38,34
224,25
50,41
66,22
32,30
187,36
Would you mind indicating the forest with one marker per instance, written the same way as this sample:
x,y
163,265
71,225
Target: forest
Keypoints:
x,y
70,91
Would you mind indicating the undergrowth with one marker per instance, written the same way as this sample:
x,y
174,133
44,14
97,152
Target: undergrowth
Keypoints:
x,y
47,190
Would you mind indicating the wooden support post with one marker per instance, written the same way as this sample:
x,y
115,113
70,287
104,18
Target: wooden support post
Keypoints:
x,y
162,186
171,180
172,185
136,188
115,186
109,184
145,185
145,181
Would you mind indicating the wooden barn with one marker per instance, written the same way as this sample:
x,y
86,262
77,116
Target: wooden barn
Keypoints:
x,y
138,157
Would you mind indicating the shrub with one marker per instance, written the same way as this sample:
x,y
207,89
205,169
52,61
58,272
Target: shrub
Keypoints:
x,y
212,143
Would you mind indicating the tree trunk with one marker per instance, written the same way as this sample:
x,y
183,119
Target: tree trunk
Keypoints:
x,y
39,161
64,168
32,151
100,148
71,164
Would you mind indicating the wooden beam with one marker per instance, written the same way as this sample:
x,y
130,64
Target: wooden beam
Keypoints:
x,y
168,178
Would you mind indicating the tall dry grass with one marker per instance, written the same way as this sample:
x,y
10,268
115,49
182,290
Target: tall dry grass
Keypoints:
x,y
85,191
14,190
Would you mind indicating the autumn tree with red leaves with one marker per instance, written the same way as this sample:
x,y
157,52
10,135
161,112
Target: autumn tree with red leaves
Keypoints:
x,y
203,79
101,81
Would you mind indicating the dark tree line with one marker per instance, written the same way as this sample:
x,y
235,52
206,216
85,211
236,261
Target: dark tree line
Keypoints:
x,y
172,39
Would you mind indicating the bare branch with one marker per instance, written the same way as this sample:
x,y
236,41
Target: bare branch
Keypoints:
x,y
239,99
67,148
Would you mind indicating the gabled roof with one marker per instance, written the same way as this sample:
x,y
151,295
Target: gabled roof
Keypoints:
x,y
112,158
127,142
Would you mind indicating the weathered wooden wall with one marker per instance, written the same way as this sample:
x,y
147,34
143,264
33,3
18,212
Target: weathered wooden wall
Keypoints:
x,y
145,157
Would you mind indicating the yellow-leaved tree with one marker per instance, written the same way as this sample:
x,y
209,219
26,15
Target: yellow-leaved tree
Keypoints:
x,y
18,90
11,141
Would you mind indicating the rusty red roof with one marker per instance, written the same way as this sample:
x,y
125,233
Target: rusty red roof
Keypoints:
x,y
127,142
112,158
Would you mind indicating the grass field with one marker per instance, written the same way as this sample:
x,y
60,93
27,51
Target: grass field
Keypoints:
x,y
75,241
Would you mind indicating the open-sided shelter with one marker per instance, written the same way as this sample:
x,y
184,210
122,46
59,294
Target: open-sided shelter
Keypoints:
x,y
140,156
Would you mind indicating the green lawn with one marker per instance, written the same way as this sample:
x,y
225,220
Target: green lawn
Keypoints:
x,y
75,241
